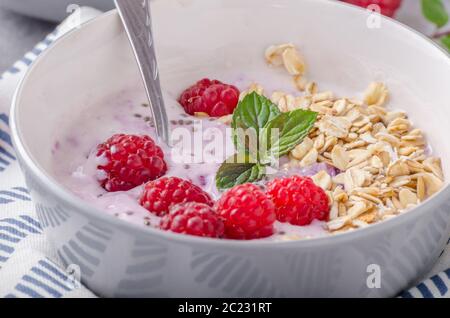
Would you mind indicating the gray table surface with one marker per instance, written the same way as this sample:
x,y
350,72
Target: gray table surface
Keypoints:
x,y
19,34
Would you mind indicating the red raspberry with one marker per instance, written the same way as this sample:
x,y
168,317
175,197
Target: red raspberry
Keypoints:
x,y
210,96
388,7
160,195
298,200
247,212
193,218
129,161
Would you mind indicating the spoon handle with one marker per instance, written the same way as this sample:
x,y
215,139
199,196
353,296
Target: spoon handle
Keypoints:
x,y
136,18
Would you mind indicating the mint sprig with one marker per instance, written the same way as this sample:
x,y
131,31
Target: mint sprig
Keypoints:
x,y
261,134
434,11
445,40
252,113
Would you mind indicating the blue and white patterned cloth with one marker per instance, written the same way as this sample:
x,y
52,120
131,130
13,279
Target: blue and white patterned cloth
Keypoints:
x,y
28,266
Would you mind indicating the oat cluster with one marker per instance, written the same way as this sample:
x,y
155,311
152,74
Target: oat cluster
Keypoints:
x,y
385,168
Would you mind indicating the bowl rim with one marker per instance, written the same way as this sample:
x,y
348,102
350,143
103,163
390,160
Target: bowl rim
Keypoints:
x,y
92,212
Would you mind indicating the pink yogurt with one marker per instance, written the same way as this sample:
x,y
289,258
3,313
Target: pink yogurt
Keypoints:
x,y
75,161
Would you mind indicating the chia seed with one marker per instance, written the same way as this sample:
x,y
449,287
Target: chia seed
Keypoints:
x,y
202,180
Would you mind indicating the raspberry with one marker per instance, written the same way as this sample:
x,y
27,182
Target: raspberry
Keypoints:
x,y
160,195
247,212
210,96
193,218
129,161
298,200
388,7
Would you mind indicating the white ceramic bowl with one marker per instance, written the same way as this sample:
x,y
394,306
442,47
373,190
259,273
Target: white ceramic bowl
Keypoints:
x,y
198,38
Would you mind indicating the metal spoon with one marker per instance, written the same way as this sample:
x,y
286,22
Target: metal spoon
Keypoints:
x,y
136,18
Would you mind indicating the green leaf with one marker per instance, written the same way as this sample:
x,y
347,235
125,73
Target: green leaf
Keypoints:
x,y
257,123
446,41
434,11
251,114
237,170
286,131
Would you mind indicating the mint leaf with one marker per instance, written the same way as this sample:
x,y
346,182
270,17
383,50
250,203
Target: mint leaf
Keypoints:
x,y
446,41
251,114
235,171
286,131
435,12
260,133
